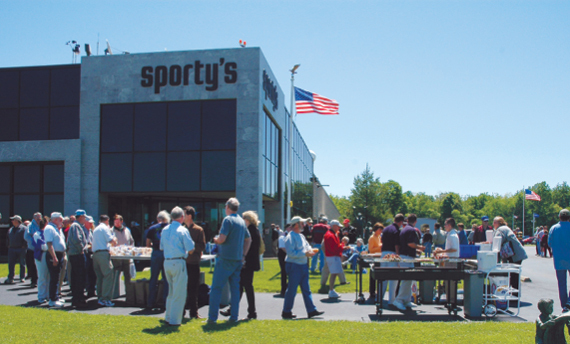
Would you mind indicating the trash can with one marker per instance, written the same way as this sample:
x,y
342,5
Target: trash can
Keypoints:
x,y
426,291
473,293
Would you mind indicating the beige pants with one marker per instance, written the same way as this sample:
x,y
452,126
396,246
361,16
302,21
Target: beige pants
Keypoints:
x,y
64,269
177,281
124,266
105,277
325,275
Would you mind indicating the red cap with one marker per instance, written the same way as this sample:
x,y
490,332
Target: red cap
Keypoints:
x,y
346,221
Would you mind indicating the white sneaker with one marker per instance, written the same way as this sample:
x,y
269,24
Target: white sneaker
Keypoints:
x,y
333,295
109,304
55,304
62,300
398,304
410,305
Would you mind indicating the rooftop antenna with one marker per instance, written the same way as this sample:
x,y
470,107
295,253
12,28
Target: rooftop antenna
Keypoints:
x,y
75,50
108,51
97,43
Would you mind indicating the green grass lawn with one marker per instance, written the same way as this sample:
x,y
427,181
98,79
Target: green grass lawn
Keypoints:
x,y
31,325
269,280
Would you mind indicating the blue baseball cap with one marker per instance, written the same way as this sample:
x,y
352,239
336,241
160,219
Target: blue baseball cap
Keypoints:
x,y
80,212
485,218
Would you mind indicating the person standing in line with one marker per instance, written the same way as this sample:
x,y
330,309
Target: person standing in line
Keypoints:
x,y
91,278
538,240
544,244
427,241
76,246
193,261
176,244
333,254
40,249
480,234
251,265
103,238
391,245
156,259
409,244
16,249
319,231
30,261
559,241
55,241
124,237
503,231
298,252
281,254
233,242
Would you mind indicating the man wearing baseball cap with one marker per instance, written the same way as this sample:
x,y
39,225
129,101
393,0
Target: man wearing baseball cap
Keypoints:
x,y
16,249
333,252
77,243
559,241
55,240
479,235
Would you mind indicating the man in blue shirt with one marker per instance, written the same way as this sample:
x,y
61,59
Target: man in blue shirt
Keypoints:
x,y
55,241
176,244
559,241
461,234
233,243
297,266
29,237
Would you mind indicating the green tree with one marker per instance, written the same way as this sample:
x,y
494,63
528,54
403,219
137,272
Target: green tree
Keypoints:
x,y
392,197
343,205
561,195
451,202
365,196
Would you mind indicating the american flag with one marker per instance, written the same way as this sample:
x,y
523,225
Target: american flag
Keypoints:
x,y
531,195
309,102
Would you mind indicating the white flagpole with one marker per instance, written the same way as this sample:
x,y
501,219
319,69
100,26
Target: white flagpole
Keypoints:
x,y
290,141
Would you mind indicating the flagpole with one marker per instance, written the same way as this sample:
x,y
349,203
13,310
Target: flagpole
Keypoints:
x,y
524,197
290,141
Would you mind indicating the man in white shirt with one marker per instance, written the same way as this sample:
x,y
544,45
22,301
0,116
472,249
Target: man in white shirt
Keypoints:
x,y
55,241
103,238
452,251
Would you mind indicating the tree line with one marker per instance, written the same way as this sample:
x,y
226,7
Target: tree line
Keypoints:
x,y
372,201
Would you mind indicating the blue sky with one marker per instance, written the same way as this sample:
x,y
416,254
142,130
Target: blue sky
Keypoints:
x,y
463,96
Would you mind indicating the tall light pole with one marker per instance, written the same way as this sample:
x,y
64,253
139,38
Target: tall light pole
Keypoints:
x,y
290,140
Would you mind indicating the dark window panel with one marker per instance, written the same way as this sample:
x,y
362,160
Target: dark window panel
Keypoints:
x,y
53,178
116,172
218,124
65,86
5,179
34,88
149,172
9,127
26,178
117,128
184,126
52,203
150,127
5,208
218,171
183,171
64,123
26,205
34,124
9,88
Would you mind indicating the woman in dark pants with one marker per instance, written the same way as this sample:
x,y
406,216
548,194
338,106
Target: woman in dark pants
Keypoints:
x,y
251,265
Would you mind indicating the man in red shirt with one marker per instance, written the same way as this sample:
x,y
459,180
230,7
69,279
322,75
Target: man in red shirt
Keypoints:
x,y
333,254
479,235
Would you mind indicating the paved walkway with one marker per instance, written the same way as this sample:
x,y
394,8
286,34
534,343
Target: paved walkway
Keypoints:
x,y
540,270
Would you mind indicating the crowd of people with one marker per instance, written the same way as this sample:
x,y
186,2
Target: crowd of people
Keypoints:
x,y
59,247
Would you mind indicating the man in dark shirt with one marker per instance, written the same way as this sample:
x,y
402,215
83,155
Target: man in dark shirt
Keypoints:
x,y
409,243
308,230
479,235
193,261
319,231
16,249
391,245
153,236
349,232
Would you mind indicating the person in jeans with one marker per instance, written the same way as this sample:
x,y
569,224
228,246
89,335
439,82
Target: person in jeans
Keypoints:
x,y
233,244
16,249
55,241
30,261
156,259
559,241
193,261
298,253
40,249
176,244
76,246
103,238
